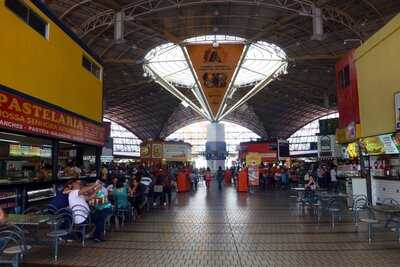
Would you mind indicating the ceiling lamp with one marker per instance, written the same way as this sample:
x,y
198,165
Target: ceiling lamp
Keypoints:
x,y
318,24
119,29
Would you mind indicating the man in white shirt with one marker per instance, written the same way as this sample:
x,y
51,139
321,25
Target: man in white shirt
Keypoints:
x,y
77,170
77,199
334,181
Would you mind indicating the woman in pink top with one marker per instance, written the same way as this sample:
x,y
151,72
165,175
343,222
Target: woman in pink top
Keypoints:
x,y
208,177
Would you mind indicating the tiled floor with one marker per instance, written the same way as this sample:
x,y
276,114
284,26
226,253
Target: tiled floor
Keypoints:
x,y
230,229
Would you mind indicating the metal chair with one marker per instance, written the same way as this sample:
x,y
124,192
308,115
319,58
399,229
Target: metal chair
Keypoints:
x,y
41,210
393,219
360,204
371,221
337,209
64,220
80,212
12,242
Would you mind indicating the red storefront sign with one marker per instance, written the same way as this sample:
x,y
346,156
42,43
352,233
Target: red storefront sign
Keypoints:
x,y
24,115
347,92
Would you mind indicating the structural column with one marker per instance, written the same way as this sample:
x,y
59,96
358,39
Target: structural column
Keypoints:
x,y
98,160
215,146
55,148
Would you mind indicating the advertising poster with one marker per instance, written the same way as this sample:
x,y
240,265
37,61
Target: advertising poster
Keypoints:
x,y
382,144
351,151
176,152
157,151
397,109
253,158
214,67
145,151
254,175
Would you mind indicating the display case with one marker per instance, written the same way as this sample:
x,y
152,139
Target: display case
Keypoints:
x,y
40,194
9,199
385,173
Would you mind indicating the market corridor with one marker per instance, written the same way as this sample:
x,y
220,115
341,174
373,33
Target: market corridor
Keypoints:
x,y
231,229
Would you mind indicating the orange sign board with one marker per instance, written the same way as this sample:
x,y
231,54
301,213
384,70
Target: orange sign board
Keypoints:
x,y
23,114
214,67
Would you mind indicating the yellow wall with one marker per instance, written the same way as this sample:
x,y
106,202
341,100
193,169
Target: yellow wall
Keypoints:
x,y
378,75
50,70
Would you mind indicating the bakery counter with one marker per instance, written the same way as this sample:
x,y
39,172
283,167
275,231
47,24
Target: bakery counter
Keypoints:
x,y
385,187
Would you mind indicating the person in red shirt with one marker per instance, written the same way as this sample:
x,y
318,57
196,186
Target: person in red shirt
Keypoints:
x,y
208,177
228,177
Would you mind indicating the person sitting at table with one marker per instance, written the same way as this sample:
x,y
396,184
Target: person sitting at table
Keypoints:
x,y
309,194
111,183
137,194
61,198
312,183
120,195
78,198
3,216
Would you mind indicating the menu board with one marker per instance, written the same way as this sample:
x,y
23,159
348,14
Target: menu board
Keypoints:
x,y
17,150
382,144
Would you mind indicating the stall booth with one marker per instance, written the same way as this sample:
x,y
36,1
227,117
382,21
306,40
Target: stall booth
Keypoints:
x,y
51,112
159,154
368,99
254,154
151,153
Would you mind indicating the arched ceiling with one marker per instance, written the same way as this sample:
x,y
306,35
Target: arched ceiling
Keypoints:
x,y
304,94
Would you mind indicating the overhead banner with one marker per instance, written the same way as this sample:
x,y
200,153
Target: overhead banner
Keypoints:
x,y
176,152
214,67
21,114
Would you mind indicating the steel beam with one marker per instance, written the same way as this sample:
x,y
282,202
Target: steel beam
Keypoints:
x,y
232,82
174,91
199,94
258,87
147,7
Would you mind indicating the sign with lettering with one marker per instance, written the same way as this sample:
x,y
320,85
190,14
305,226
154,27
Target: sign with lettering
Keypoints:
x,y
327,147
176,151
20,114
214,67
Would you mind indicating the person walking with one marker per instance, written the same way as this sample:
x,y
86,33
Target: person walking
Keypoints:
x,y
220,177
334,181
208,177
194,178
168,190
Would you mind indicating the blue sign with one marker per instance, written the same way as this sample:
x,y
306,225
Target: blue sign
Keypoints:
x,y
216,151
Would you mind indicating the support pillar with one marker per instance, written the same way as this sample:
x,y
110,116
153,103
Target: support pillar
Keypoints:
x,y
98,161
55,147
215,146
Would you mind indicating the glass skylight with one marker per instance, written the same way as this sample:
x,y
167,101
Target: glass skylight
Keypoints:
x,y
262,59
